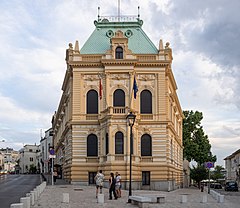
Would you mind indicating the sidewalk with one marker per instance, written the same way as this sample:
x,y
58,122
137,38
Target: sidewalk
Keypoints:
x,y
84,197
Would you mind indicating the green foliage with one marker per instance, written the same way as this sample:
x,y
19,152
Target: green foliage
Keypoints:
x,y
198,173
195,142
32,169
217,173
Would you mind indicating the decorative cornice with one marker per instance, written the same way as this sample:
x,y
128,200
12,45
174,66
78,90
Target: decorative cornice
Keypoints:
x,y
119,61
155,64
123,62
85,64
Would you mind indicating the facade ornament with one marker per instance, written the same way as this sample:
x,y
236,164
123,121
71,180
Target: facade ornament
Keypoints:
x,y
69,53
91,77
76,48
168,51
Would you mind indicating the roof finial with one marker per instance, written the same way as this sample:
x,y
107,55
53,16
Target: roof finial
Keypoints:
x,y
98,13
138,12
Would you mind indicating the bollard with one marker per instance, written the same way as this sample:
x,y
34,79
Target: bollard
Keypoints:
x,y
183,198
35,194
39,191
25,201
100,198
44,184
65,197
220,198
204,198
17,205
32,197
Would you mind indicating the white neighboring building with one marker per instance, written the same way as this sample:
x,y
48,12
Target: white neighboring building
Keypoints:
x,y
1,161
232,166
45,144
8,159
28,158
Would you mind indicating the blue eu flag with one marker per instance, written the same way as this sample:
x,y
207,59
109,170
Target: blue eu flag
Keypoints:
x,y
135,88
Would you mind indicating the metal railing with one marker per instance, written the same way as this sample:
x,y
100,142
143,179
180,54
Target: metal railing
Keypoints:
x,y
118,18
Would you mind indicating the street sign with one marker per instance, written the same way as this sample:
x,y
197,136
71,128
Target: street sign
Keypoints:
x,y
51,151
52,156
209,165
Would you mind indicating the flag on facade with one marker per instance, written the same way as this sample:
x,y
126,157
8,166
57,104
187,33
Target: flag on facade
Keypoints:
x,y
100,88
135,88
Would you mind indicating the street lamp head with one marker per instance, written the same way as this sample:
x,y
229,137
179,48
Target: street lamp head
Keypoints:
x,y
131,119
209,154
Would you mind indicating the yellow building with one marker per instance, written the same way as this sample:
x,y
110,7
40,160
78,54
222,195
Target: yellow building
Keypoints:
x,y
90,127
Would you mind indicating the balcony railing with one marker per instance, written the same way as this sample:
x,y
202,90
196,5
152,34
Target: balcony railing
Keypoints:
x,y
146,58
92,117
147,116
118,18
119,110
91,58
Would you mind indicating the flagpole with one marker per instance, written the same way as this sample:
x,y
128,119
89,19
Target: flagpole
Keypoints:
x,y
100,91
130,104
134,89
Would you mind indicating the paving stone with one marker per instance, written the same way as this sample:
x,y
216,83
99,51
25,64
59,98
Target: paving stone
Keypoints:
x,y
85,197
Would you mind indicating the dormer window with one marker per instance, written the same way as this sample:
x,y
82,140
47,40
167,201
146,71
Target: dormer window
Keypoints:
x,y
119,53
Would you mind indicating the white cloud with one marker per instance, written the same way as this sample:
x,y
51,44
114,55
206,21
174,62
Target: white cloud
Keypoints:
x,y
203,35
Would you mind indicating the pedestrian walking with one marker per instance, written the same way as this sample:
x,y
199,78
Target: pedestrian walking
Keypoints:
x,y
112,183
118,185
99,179
55,175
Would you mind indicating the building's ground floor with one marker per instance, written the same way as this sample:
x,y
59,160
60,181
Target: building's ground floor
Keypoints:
x,y
145,175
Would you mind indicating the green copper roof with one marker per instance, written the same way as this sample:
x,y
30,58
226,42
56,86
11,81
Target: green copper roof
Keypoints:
x,y
99,41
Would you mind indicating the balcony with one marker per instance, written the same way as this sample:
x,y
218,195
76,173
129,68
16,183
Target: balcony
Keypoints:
x,y
146,116
119,110
92,117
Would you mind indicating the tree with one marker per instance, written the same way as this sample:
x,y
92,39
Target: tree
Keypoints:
x,y
195,142
217,173
198,174
33,168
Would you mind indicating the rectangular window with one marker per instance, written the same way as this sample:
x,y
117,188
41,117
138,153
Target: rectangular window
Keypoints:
x,y
91,176
146,178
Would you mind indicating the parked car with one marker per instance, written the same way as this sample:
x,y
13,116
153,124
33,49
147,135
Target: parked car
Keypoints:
x,y
231,186
216,186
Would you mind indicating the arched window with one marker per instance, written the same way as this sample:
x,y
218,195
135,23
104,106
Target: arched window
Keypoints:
x,y
146,145
146,102
92,145
119,98
106,144
119,53
119,143
92,102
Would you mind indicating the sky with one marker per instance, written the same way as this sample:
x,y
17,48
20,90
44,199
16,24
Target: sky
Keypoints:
x,y
204,36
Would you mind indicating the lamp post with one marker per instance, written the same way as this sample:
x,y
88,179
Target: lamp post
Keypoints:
x,y
209,165
130,119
